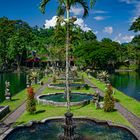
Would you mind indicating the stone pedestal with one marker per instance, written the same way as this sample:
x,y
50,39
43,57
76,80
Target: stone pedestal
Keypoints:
x,y
69,129
7,91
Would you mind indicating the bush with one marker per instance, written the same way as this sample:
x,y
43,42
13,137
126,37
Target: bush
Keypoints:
x,y
87,87
109,100
54,79
31,102
83,80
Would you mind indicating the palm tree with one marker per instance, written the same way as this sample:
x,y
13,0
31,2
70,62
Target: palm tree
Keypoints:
x,y
64,7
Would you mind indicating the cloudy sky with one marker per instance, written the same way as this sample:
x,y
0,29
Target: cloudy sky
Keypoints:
x,y
108,18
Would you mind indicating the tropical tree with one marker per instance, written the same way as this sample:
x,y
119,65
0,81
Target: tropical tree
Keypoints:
x,y
136,40
64,7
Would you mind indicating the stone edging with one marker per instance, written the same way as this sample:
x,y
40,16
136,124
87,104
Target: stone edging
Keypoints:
x,y
57,87
105,122
48,102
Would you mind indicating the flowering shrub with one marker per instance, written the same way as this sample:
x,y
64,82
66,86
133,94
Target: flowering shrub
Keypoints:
x,y
31,102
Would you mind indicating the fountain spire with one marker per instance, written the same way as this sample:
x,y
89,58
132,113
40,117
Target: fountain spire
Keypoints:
x,y
69,127
67,61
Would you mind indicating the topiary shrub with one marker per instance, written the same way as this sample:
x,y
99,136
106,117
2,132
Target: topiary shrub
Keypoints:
x,y
54,79
86,86
109,101
83,80
31,102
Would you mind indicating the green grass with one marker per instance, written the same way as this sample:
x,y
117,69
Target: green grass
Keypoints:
x,y
17,99
20,97
131,104
51,90
45,111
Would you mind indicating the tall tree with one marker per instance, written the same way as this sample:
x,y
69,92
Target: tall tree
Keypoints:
x,y
136,40
64,7
135,25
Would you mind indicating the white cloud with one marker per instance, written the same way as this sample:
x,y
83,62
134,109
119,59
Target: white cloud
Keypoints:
x,y
51,22
127,1
79,22
133,19
136,3
108,30
76,11
127,38
99,12
123,39
83,26
96,32
137,10
99,18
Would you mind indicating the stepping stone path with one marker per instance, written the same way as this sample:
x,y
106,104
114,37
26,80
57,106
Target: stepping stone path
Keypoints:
x,y
132,118
13,116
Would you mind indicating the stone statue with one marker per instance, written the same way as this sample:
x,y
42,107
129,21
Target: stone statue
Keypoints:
x,y
7,90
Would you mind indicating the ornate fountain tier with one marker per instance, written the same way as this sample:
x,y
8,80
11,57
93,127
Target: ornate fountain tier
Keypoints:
x,y
59,99
89,129
69,129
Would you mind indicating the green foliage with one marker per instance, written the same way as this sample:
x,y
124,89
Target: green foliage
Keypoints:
x,y
83,80
18,39
109,100
94,53
31,102
136,25
54,79
87,87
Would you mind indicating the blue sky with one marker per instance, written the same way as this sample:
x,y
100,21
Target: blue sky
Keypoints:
x,y
108,18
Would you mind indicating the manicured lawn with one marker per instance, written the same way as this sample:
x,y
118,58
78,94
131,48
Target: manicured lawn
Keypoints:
x,y
45,111
131,104
51,90
17,99
20,97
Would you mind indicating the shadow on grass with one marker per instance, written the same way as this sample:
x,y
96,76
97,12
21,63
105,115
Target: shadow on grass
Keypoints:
x,y
18,123
40,111
14,100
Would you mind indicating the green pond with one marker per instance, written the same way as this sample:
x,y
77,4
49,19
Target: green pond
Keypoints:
x,y
17,83
127,82
60,97
89,130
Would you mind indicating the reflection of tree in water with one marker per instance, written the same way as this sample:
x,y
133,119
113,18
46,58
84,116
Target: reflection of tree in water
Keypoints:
x,y
127,82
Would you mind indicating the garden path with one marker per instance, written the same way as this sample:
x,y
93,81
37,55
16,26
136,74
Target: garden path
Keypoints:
x,y
133,119
13,116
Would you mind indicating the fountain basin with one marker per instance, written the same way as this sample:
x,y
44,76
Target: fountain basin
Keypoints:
x,y
59,99
63,86
89,129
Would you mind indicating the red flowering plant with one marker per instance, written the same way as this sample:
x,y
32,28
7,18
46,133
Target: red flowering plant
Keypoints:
x,y
31,102
30,92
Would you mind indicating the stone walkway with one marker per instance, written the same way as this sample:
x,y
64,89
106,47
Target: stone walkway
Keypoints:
x,y
133,119
12,117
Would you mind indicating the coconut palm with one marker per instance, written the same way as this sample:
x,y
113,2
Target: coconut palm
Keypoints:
x,y
103,75
64,7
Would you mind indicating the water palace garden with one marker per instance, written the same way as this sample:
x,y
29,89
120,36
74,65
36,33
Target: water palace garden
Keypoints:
x,y
61,83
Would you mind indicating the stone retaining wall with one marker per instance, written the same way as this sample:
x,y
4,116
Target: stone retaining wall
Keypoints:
x,y
48,102
61,118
